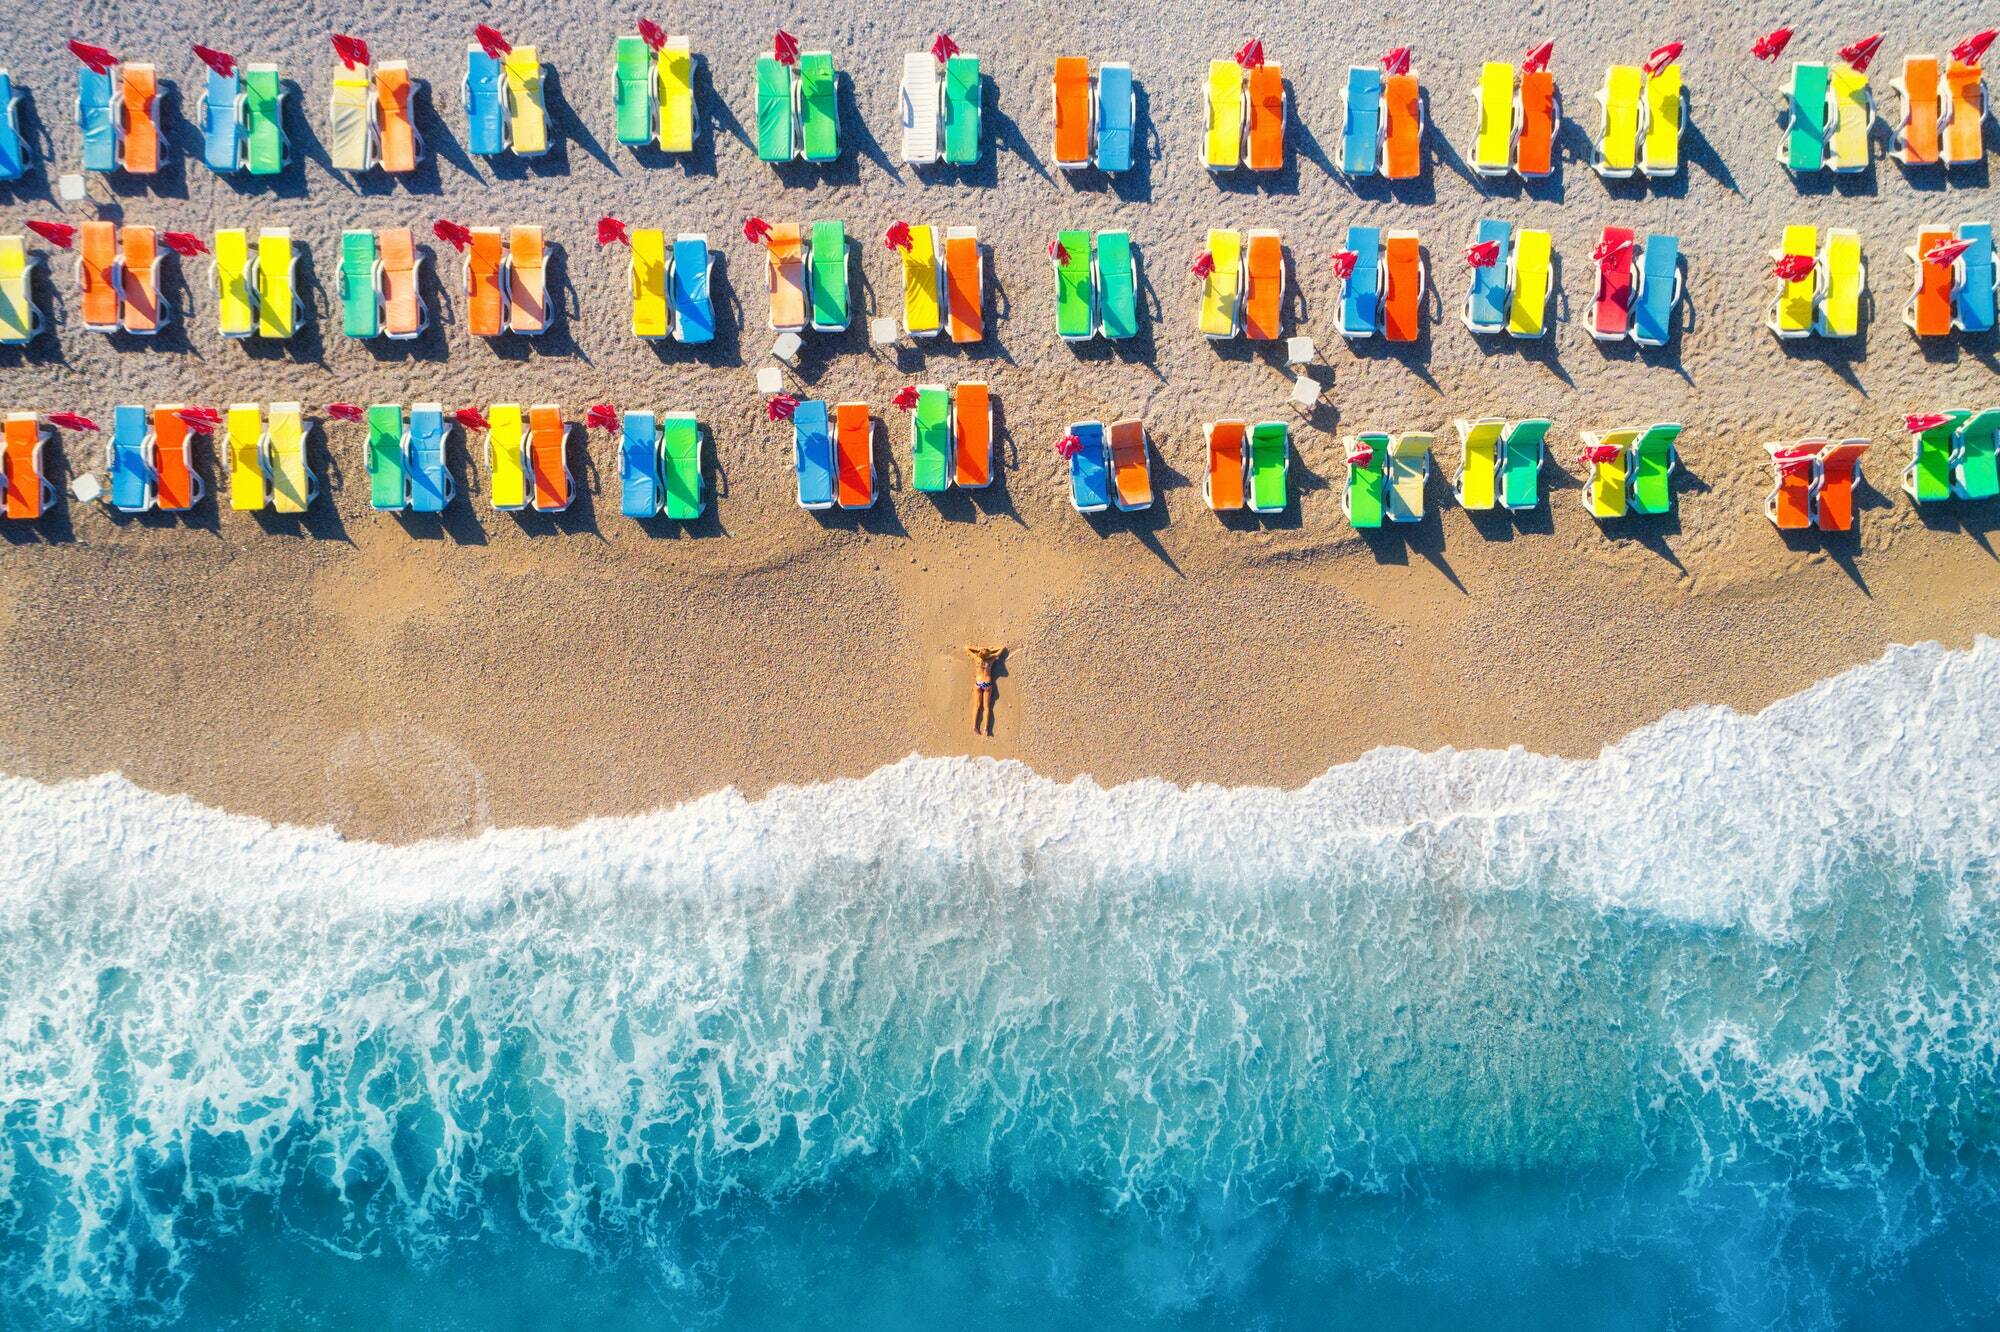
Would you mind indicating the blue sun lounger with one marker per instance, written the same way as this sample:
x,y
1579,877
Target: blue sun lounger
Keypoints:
x,y
639,466
1361,130
1972,301
1089,471
221,126
485,132
812,454
1117,107
131,474
1486,304
431,485
1361,290
1659,293
13,148
93,120
694,312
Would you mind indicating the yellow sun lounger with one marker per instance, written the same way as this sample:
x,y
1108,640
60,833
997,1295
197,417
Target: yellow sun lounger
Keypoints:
x,y
507,456
1479,465
277,298
293,486
676,74
244,428
1666,115
20,319
923,306
235,292
649,282
1408,467
1852,119
1604,492
1617,154
1222,144
350,120
1222,289
1791,313
1530,263
1843,278
527,118
1493,140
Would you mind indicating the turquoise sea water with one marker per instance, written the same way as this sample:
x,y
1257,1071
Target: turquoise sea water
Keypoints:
x,y
1704,1033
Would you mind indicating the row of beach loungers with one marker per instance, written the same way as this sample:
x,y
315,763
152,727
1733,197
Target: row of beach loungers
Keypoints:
x,y
1827,113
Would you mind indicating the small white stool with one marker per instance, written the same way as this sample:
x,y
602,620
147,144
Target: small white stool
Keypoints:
x,y
883,332
1305,393
770,379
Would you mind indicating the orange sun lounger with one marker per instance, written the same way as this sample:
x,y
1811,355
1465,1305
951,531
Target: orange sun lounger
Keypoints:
x,y
1224,486
175,485
785,275
972,434
483,309
965,282
1072,93
1929,311
1965,90
854,450
139,282
1266,125
402,309
527,281
139,140
1917,141
1789,505
27,491
1405,279
1534,151
1839,469
399,147
547,458
1264,286
96,265
1402,127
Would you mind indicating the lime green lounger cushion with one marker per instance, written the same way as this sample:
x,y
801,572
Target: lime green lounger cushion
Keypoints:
x,y
680,458
819,111
931,442
774,111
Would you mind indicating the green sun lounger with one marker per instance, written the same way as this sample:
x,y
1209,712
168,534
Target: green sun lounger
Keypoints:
x,y
830,312
680,466
632,62
930,439
1805,132
1927,479
961,110
1653,463
1521,464
1363,498
1117,290
1075,319
819,108
777,123
360,313
388,470
263,133
1973,474
1270,465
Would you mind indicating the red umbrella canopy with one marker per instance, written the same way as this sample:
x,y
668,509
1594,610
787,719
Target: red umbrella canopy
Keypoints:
x,y
1945,255
99,59
221,62
1068,446
1343,263
353,52
611,231
1538,59
1793,267
71,421
1250,55
60,234
906,398
1397,61
1859,54
201,420
1483,255
781,406
452,234
1057,254
602,416
1973,49
652,34
943,47
898,237
471,418
1662,57
343,411
1772,44
184,243
1203,265
1917,425
785,47
491,42
756,230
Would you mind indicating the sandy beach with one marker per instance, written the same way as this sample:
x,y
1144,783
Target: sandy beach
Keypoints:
x,y
403,678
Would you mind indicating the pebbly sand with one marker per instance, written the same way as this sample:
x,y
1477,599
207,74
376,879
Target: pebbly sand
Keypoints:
x,y
405,678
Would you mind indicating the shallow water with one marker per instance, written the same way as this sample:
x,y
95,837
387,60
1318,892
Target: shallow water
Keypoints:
x,y
1702,1033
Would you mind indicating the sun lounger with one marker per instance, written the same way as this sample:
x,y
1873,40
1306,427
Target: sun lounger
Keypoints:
x,y
1266,111
679,126
293,485
388,459
830,313
277,293
431,486
1521,452
632,88
1402,127
1089,469
1486,302
266,149
360,299
1493,126
97,275
1530,269
1409,466
1929,310
1538,116
1263,286
1361,121
1115,275
485,105
350,120
507,456
1974,475
142,309
1928,478
20,317
548,458
235,283
777,112
1224,485
1666,117
1651,469
686,495
854,455
919,96
139,133
1131,465
930,440
1850,118
1361,290
527,116
244,431
923,282
1117,106
1804,119
648,274
404,313
1617,152
819,107
1604,490
126,461
29,494
962,110
1917,141
639,466
1657,293
972,434
1223,115
1611,300
785,276
1270,467
1367,467
1789,506
1973,295
1844,279
1072,91
1406,281
177,487
1478,487
1222,289
1833,487
485,313
399,147
694,308
812,455
1791,313
1076,309
965,284
14,149
97,119
1964,127
525,276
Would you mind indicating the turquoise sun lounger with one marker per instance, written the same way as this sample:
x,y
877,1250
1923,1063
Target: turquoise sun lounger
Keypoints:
x,y
684,497
1089,469
962,110
1659,291
1117,287
94,120
485,118
1117,108
131,472
1974,475
221,126
1805,114
1972,298
1486,303
1521,453
639,466
812,454
360,310
388,461
1361,290
694,310
431,486
1361,130
13,148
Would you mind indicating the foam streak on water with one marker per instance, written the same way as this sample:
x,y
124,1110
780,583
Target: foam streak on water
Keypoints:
x,y
1703,1032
